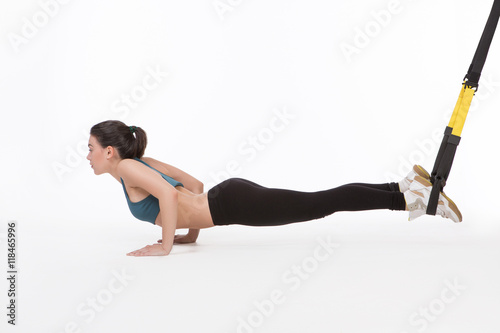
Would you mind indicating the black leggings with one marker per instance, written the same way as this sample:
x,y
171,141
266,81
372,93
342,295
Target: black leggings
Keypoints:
x,y
240,201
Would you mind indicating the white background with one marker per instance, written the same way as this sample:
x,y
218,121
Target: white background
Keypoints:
x,y
361,118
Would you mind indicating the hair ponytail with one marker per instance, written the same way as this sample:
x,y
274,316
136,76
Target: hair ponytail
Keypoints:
x,y
140,142
129,141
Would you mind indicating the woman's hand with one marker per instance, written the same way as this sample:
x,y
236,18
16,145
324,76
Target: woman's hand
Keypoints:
x,y
190,237
182,239
150,250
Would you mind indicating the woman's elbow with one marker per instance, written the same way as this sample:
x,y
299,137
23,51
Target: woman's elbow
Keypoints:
x,y
196,188
170,195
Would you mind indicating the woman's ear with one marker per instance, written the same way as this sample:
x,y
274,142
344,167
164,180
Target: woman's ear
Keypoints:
x,y
110,152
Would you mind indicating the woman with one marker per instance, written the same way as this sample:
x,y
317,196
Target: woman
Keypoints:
x,y
170,198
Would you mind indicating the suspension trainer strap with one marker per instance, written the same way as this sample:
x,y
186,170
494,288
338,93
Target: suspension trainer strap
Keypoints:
x,y
453,132
476,67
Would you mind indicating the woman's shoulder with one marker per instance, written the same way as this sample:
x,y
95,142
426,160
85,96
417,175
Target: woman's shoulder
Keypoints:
x,y
131,164
126,162
137,174
126,166
158,165
149,160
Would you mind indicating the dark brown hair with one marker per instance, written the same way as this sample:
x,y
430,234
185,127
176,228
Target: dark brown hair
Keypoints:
x,y
118,135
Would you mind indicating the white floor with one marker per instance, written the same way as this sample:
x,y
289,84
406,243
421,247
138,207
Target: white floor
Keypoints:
x,y
376,273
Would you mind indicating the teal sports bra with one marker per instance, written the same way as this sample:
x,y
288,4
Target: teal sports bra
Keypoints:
x,y
148,208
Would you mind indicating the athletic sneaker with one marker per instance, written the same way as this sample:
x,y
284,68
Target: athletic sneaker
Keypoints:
x,y
417,198
417,170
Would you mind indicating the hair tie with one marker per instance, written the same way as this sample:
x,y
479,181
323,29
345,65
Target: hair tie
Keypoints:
x,y
132,129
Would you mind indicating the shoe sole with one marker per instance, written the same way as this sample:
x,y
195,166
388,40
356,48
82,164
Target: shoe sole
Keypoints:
x,y
421,180
453,207
421,172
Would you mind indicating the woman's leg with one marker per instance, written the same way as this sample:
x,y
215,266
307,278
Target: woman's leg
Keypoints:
x,y
391,187
239,201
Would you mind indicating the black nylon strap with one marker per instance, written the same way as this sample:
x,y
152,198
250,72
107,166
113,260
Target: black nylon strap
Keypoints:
x,y
442,170
447,150
476,67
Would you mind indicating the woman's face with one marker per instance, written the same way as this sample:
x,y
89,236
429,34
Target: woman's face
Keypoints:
x,y
96,156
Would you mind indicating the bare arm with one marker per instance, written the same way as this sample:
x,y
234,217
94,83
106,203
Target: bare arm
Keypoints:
x,y
139,175
168,210
190,183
